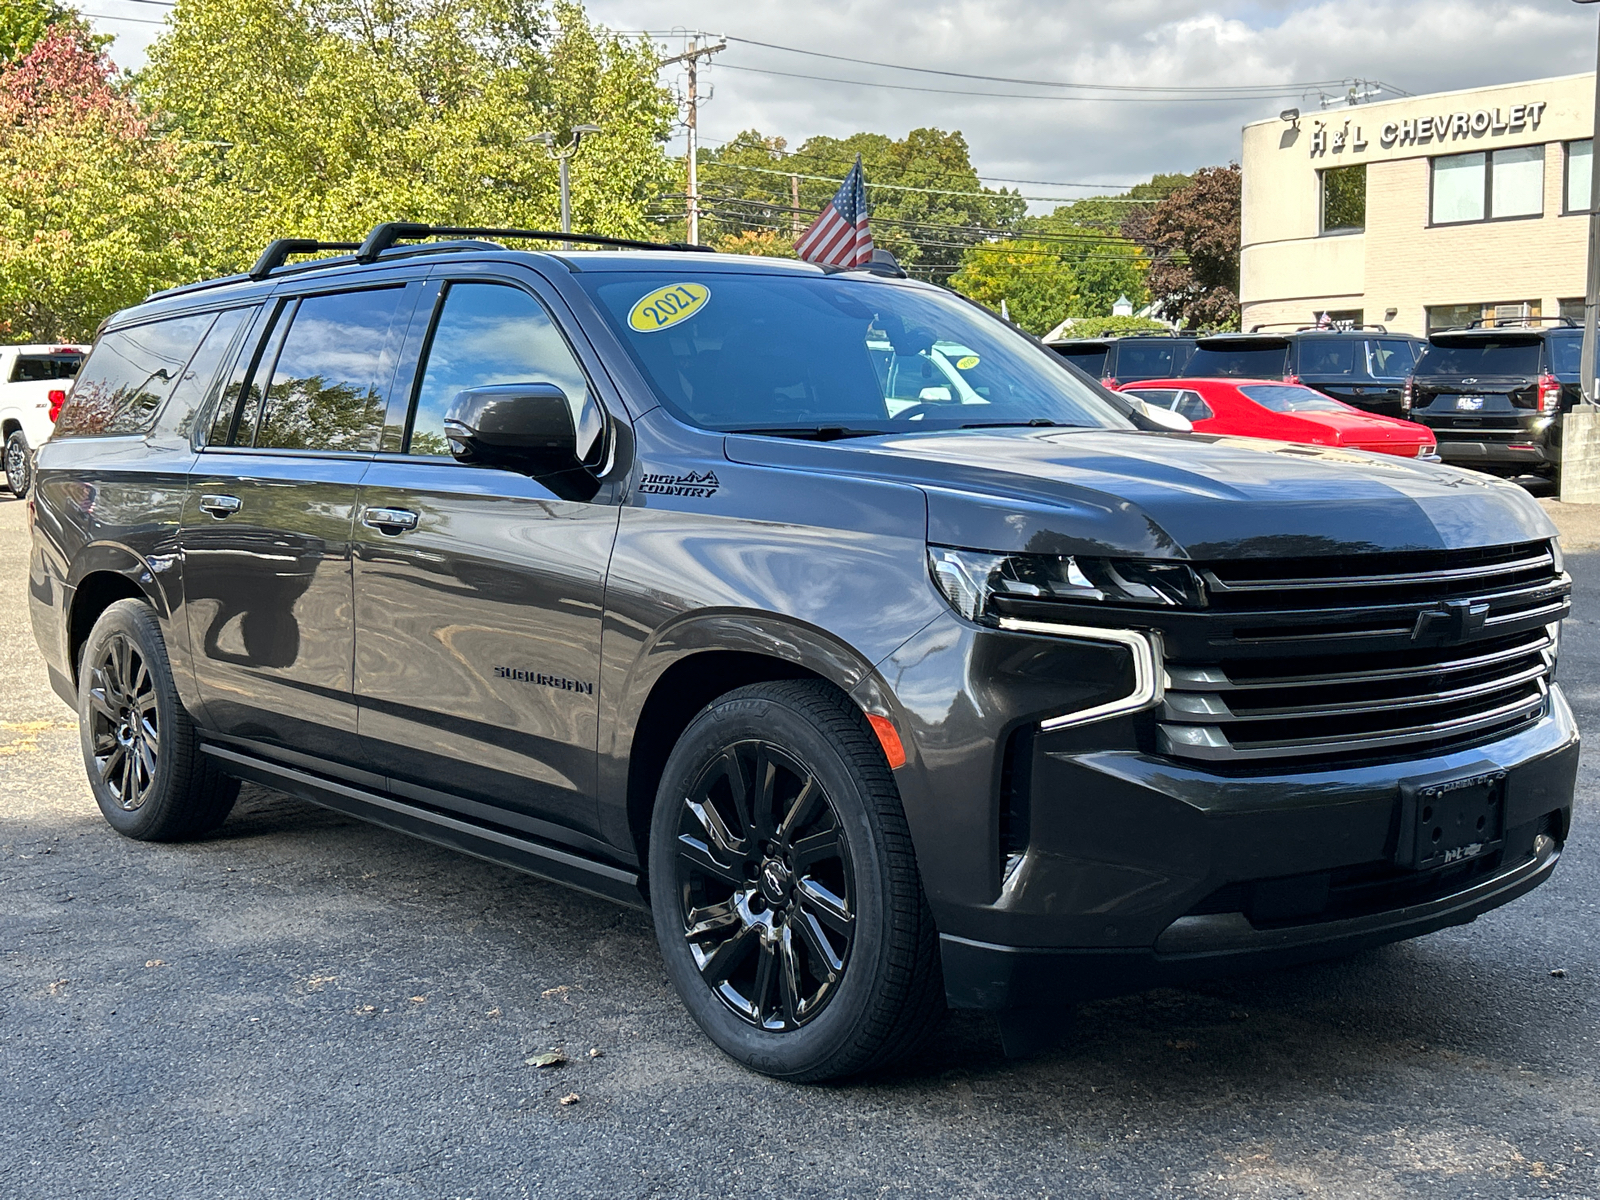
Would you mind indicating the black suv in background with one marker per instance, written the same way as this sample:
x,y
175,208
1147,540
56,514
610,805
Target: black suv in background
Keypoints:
x,y
1128,358
886,659
1365,367
1494,394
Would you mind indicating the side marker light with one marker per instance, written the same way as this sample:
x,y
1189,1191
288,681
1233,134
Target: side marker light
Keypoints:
x,y
889,739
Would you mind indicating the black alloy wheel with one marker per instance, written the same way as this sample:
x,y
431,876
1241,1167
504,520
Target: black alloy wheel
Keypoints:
x,y
784,886
124,721
19,465
140,748
765,885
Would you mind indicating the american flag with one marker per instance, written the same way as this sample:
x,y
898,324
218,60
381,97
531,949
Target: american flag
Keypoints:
x,y
841,236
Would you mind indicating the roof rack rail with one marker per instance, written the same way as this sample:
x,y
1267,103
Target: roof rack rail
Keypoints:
x,y
388,233
1335,327
1513,322
277,253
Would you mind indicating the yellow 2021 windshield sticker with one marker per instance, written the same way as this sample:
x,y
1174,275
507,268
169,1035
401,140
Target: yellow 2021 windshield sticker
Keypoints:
x,y
665,307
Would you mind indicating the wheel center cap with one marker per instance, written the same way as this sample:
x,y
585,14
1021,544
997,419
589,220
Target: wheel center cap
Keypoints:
x,y
774,881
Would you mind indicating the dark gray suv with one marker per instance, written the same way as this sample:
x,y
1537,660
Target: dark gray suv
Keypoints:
x,y
889,661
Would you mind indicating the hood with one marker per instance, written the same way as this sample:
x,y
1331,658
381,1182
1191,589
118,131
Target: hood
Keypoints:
x,y
1160,495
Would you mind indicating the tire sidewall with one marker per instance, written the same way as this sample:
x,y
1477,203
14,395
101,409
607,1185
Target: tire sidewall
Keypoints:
x,y
18,490
136,621
806,1050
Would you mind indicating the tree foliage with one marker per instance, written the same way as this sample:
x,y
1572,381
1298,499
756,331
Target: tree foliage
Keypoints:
x,y
1033,279
324,117
927,202
1192,237
1082,327
94,213
24,23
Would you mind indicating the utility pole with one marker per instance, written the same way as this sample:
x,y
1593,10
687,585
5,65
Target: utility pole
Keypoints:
x,y
690,58
794,205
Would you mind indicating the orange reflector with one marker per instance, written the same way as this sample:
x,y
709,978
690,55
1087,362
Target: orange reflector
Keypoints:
x,y
888,739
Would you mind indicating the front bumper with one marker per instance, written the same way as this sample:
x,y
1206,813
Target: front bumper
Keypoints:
x,y
1106,904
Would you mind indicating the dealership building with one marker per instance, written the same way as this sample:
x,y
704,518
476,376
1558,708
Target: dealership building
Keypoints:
x,y
1423,212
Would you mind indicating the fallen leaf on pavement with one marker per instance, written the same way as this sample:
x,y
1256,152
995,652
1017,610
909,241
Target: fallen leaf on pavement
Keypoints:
x,y
156,962
570,1098
550,1058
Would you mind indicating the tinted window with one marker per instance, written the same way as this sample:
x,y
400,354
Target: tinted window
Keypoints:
x,y
36,368
197,377
1287,398
1091,360
129,374
1566,352
490,333
1389,358
802,353
1239,361
1330,356
1148,360
1481,356
329,384
1185,403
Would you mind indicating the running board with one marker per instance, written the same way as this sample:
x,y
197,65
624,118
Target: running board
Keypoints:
x,y
481,841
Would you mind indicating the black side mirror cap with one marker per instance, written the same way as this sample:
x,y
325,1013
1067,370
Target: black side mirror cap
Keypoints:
x,y
523,427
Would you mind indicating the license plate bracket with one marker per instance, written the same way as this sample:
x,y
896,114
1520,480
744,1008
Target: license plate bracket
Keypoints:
x,y
1450,819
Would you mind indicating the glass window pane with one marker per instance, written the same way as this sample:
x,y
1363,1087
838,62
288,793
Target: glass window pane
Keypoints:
x,y
1150,359
1580,161
327,392
1328,356
129,375
490,333
1518,182
1247,362
191,391
35,368
1453,316
1388,358
1458,188
1344,198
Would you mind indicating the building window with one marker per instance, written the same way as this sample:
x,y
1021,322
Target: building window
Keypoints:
x,y
1458,316
1580,156
1572,309
1488,187
1344,199
1452,316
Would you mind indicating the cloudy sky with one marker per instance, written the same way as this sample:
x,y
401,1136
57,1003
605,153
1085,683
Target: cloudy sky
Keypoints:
x,y
1246,60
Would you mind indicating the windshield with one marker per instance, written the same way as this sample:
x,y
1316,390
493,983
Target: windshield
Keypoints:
x,y
808,356
1285,397
35,368
1481,356
1238,361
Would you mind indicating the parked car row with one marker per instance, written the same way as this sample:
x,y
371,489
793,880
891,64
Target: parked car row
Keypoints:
x,y
1491,396
34,381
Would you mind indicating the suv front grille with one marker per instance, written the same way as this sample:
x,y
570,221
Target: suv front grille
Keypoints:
x,y
1365,657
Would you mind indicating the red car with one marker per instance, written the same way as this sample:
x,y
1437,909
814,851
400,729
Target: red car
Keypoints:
x,y
1288,412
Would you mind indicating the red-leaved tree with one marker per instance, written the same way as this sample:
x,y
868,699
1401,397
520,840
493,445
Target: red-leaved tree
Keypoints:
x,y
1192,238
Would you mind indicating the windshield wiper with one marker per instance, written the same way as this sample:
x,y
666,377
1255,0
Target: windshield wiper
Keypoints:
x,y
815,433
1031,422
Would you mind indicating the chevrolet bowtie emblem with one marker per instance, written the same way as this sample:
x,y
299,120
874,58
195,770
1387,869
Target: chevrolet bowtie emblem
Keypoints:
x,y
1455,620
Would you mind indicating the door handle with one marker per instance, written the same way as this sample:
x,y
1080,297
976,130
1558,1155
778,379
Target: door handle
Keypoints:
x,y
221,506
389,520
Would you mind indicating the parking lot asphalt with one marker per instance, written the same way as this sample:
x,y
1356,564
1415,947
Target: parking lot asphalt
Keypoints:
x,y
304,1005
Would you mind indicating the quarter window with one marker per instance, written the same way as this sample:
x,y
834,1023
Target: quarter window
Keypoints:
x,y
1344,199
331,378
129,375
1488,186
489,333
1389,358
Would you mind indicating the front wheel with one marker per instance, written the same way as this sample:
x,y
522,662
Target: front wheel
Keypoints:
x,y
19,464
785,890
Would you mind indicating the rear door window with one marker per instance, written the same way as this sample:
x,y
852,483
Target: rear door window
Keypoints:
x,y
1481,356
39,368
1238,361
129,375
331,379
1389,358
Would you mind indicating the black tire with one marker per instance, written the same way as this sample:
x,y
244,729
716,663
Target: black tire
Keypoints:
x,y
139,744
18,464
797,933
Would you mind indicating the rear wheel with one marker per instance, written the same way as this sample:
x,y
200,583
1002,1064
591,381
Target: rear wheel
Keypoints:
x,y
19,464
785,890
139,746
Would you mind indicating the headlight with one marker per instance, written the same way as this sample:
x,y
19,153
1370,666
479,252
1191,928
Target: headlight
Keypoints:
x,y
972,580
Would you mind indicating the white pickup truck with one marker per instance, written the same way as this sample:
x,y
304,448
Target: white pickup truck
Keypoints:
x,y
34,381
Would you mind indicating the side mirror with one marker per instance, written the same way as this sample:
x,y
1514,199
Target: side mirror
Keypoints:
x,y
523,427
1161,418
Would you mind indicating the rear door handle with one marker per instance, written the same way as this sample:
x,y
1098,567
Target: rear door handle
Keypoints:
x,y
221,506
389,520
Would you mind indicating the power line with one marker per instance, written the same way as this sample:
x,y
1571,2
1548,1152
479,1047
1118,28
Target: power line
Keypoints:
x,y
1181,98
110,17
901,187
1264,89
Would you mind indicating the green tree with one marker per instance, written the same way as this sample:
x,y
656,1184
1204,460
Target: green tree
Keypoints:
x,y
94,212
1192,237
1032,278
23,24
927,202
323,117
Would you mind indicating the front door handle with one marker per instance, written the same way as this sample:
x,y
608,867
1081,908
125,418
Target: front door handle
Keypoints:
x,y
389,520
221,506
